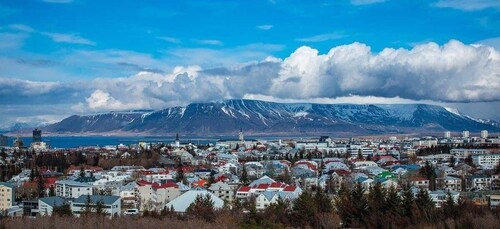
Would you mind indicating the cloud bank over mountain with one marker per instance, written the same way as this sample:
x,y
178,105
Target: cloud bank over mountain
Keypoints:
x,y
450,73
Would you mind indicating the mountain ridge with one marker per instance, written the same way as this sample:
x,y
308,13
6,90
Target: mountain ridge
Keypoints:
x,y
261,117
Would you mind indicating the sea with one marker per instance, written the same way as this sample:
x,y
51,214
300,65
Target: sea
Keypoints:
x,y
84,141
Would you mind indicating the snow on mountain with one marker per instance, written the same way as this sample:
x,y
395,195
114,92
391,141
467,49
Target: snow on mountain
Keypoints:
x,y
227,117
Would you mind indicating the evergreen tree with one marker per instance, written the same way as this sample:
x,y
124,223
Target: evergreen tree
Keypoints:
x,y
203,207
450,208
211,178
63,210
82,173
407,200
323,202
99,207
244,175
425,205
304,209
52,191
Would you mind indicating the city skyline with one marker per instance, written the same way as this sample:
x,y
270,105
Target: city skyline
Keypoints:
x,y
62,57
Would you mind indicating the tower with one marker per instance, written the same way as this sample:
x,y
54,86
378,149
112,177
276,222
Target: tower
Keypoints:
x,y
37,135
242,139
177,143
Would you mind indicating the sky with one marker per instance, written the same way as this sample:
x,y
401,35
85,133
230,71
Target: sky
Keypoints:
x,y
64,57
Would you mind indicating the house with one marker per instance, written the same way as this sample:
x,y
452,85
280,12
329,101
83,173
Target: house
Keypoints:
x,y
7,191
154,195
243,192
450,183
182,202
223,191
494,201
420,182
479,182
72,189
111,204
263,200
439,197
46,205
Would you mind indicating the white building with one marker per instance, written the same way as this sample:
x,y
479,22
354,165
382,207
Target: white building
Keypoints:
x,y
486,161
46,205
439,197
182,202
111,204
463,153
223,191
465,134
484,134
447,134
72,189
7,191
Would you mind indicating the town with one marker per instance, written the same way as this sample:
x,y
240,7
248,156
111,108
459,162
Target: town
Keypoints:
x,y
247,175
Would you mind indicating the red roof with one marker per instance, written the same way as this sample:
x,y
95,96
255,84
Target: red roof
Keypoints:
x,y
276,185
289,188
244,189
144,183
262,186
169,184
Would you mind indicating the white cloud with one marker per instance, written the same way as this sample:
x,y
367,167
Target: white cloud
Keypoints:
x,y
12,41
69,38
322,37
468,5
170,40
453,72
265,27
209,42
22,28
365,2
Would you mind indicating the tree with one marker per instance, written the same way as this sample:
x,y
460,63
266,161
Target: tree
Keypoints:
x,y
52,191
82,173
450,209
497,168
99,207
63,210
425,205
429,173
304,209
468,160
244,175
323,202
211,178
360,154
407,200
453,160
88,206
203,206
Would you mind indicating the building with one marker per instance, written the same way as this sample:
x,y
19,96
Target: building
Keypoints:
x,y
484,134
447,134
488,161
479,183
420,182
494,201
463,153
223,191
7,191
111,205
182,202
154,195
46,205
465,134
37,135
439,197
72,189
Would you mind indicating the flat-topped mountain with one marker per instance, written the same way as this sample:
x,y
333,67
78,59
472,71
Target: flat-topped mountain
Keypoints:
x,y
259,117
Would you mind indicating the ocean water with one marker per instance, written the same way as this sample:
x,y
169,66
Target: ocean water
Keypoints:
x,y
77,141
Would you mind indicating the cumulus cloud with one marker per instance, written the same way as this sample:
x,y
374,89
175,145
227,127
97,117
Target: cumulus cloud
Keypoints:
x,y
453,72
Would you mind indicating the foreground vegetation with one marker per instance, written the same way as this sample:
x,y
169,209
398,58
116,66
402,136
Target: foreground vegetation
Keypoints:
x,y
351,208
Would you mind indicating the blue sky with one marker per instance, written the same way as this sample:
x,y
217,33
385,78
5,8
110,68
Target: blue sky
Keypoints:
x,y
78,56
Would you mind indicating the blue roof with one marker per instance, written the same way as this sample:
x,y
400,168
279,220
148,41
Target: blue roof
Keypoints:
x,y
53,201
96,198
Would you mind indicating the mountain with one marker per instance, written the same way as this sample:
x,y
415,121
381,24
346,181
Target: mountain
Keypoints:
x,y
259,117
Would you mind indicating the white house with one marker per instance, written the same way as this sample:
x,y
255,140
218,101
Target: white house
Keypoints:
x,y
111,204
72,189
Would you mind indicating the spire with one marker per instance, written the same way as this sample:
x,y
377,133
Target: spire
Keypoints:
x,y
241,135
177,137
